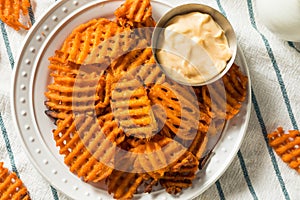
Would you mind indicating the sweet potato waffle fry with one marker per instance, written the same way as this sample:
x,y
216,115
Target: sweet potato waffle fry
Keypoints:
x,y
76,88
86,147
87,37
154,156
132,60
198,145
119,118
180,107
150,73
124,184
225,97
286,145
10,12
11,187
181,174
135,10
132,108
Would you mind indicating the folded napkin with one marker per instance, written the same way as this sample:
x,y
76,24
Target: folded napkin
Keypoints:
x,y
256,171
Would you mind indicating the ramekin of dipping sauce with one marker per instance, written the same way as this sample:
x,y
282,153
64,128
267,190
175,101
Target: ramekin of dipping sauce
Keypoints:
x,y
194,44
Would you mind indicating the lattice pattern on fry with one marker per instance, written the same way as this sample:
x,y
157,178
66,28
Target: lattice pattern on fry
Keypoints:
x,y
149,22
150,74
10,12
133,60
287,146
180,107
142,30
198,145
132,109
124,185
11,187
135,10
87,144
116,46
75,88
225,96
87,37
181,174
155,155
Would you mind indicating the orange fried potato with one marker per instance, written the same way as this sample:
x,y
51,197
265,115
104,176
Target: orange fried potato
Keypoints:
x,y
123,185
132,109
86,38
181,174
11,187
135,10
287,146
225,96
76,88
156,155
88,144
10,12
180,106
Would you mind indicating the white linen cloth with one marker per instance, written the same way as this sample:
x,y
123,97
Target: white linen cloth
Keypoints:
x,y
256,172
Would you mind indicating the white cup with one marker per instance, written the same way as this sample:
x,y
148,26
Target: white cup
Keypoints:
x,y
281,17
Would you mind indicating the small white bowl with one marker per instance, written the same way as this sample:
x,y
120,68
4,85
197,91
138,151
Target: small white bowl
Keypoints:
x,y
217,17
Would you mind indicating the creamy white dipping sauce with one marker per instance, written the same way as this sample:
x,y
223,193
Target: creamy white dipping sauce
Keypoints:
x,y
193,47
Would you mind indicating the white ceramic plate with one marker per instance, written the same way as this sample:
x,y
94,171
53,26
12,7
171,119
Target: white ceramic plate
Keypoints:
x,y
31,77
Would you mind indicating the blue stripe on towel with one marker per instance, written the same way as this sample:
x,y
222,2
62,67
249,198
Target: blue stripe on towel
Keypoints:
x,y
54,193
6,41
246,175
240,155
8,147
220,190
273,159
221,8
276,68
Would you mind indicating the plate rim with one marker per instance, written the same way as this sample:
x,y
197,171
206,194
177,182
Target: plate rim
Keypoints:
x,y
16,114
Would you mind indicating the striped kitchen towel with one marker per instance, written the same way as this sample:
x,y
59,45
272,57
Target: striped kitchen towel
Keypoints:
x,y
256,172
